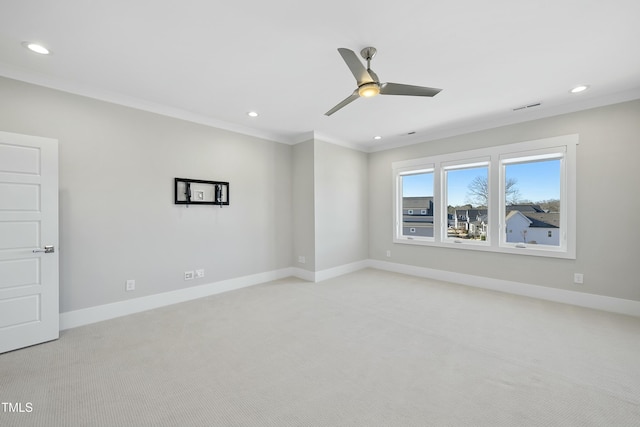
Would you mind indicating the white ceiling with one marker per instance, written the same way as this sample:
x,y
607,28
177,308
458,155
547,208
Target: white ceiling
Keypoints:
x,y
212,61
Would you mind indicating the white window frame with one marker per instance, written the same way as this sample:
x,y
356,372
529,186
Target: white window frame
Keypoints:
x,y
550,153
496,158
459,164
409,168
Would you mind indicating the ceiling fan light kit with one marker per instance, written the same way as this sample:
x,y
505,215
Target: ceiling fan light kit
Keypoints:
x,y
369,89
368,82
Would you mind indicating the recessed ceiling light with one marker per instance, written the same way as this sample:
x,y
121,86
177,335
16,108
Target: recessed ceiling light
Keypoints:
x,y
377,137
35,47
252,114
579,89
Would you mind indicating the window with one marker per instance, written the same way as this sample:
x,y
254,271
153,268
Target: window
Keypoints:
x,y
467,199
416,189
531,198
516,198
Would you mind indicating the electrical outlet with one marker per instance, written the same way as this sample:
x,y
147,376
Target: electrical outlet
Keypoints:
x,y
578,278
188,275
130,285
200,273
302,259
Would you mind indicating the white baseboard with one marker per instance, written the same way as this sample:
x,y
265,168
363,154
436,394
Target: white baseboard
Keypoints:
x,y
582,299
341,270
329,273
72,319
301,273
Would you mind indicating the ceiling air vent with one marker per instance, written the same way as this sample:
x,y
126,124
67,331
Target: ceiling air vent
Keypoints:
x,y
526,107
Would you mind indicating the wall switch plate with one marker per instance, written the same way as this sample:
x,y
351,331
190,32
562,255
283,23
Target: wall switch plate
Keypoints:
x,y
188,275
388,253
200,273
130,285
578,278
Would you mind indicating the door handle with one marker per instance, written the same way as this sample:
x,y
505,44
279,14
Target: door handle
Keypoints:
x,y
47,250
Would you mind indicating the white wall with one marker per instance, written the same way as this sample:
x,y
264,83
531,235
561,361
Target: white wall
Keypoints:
x,y
607,205
117,216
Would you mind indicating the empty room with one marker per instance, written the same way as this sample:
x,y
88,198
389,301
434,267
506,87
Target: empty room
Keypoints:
x,y
331,214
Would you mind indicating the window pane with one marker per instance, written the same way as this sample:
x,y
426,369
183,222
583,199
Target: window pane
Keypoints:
x,y
532,202
467,195
417,204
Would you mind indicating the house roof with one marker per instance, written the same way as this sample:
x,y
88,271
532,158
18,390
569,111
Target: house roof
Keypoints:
x,y
544,219
473,214
538,219
526,207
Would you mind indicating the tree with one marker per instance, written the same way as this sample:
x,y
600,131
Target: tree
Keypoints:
x,y
479,191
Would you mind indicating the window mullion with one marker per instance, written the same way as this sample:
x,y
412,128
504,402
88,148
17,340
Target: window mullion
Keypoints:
x,y
495,201
439,211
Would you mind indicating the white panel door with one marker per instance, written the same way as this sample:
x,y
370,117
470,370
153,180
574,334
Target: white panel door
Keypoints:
x,y
29,308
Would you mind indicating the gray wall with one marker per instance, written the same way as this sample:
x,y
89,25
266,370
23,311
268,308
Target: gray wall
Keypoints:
x,y
607,205
117,216
326,202
330,218
341,190
304,238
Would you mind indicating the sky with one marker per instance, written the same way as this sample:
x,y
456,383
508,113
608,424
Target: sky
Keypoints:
x,y
536,181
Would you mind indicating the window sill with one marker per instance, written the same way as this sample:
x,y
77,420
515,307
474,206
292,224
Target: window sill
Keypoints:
x,y
484,246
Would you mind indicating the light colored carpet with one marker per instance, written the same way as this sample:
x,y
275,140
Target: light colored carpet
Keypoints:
x,y
367,349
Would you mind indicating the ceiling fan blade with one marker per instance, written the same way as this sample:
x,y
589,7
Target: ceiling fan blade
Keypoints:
x,y
400,89
343,103
357,69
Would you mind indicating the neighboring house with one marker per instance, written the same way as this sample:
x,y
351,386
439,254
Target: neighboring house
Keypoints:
x,y
466,218
417,216
531,224
478,227
526,223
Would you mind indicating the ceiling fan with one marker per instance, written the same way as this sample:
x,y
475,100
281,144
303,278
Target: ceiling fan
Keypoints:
x,y
369,83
